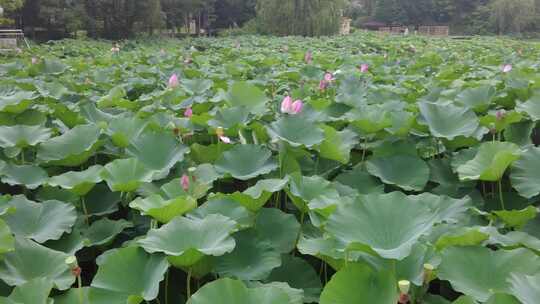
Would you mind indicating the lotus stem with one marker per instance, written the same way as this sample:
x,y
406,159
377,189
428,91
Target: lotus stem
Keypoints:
x,y
79,285
501,195
364,149
188,284
85,210
167,287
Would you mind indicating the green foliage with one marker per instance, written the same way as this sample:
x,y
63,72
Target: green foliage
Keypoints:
x,y
122,188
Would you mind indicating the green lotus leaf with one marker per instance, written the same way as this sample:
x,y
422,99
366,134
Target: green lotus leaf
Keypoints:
x,y
520,133
477,98
525,174
228,291
7,241
190,238
314,190
462,237
407,172
297,131
360,284
72,148
481,272
164,210
197,86
299,274
40,221
465,300
375,221
502,298
123,129
101,201
512,239
531,107
115,98
277,228
14,100
93,295
448,121
337,145
499,124
131,271
230,117
31,261
370,119
253,258
22,136
197,188
525,288
435,299
35,291
69,243
517,218
208,154
247,95
54,90
360,180
79,182
227,207
104,231
265,187
126,175
29,176
53,66
246,161
490,162
157,151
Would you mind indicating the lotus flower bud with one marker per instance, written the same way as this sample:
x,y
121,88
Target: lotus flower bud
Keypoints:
x,y
34,60
219,131
323,85
364,67
225,139
188,113
328,77
506,68
500,115
185,182
297,107
286,104
428,273
173,81
308,57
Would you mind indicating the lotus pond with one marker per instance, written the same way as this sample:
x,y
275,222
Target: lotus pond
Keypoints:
x,y
350,170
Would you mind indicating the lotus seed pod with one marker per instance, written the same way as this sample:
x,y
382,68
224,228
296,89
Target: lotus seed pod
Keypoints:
x,y
404,286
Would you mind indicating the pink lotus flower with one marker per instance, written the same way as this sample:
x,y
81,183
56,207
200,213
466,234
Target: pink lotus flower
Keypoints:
x,y
173,81
224,139
286,104
185,182
188,113
323,85
506,68
328,77
289,107
115,49
297,107
34,60
364,68
308,57
500,115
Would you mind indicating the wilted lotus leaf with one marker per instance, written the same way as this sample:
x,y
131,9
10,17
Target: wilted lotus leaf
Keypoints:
x,y
246,161
187,240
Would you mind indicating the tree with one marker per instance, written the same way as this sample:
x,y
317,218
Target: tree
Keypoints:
x,y
8,7
299,17
512,16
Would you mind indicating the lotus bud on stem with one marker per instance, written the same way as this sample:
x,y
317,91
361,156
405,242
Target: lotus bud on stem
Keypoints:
x,y
428,273
404,287
71,261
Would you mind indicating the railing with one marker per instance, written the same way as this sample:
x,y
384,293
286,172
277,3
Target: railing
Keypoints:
x,y
437,30
10,39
